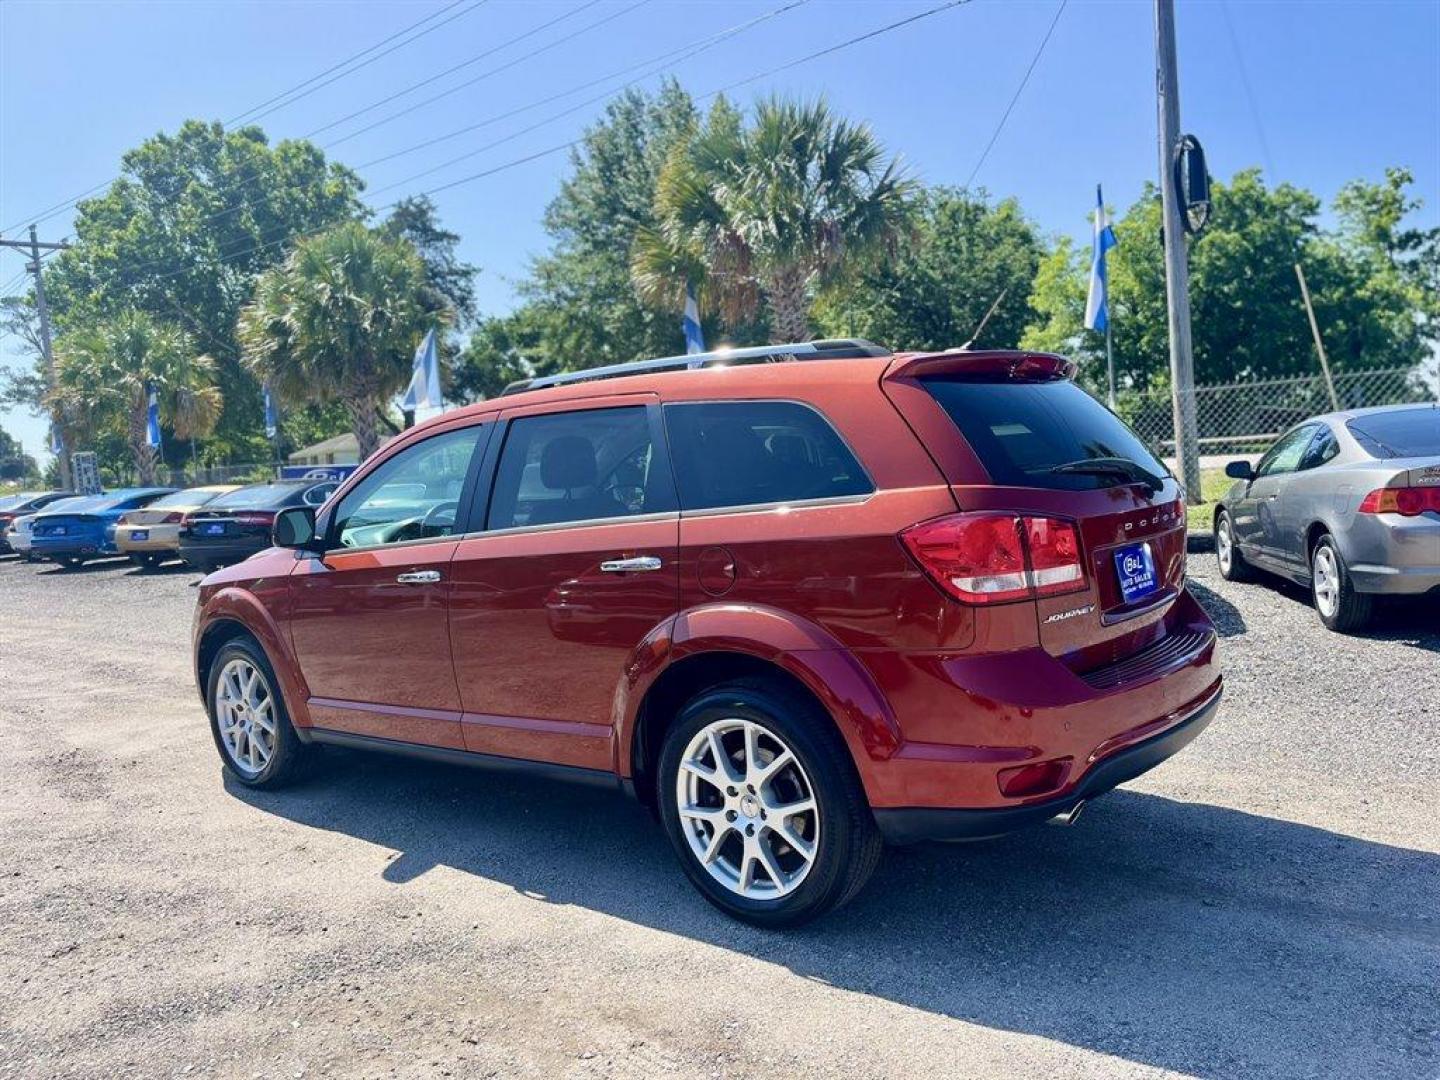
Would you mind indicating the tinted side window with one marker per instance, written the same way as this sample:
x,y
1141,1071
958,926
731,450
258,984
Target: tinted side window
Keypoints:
x,y
1321,449
579,466
412,496
750,453
1284,456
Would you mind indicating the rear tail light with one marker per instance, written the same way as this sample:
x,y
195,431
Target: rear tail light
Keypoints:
x,y
173,519
992,558
255,517
123,519
1409,501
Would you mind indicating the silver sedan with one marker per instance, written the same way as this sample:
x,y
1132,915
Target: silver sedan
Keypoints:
x,y
1347,503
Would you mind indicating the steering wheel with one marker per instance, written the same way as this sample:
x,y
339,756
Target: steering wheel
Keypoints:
x,y
435,522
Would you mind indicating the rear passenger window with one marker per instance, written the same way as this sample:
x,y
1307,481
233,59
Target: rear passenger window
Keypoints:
x,y
579,466
751,453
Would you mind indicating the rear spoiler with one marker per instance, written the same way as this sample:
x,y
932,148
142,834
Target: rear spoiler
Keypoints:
x,y
999,364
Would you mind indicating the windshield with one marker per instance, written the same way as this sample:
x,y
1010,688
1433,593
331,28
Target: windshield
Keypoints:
x,y
9,502
257,496
1403,433
1044,434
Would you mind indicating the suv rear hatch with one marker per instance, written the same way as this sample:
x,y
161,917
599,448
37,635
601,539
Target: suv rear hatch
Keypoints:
x,y
1101,522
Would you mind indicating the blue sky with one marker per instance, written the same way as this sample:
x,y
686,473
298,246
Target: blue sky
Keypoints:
x,y
1342,89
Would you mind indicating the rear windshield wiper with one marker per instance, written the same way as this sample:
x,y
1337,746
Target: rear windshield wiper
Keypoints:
x,y
1111,466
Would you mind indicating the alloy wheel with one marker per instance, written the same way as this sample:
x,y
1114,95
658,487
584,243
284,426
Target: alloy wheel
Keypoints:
x,y
747,809
1327,581
245,716
1223,545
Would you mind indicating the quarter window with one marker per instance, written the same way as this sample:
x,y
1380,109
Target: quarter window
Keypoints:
x,y
585,465
753,453
1321,449
414,495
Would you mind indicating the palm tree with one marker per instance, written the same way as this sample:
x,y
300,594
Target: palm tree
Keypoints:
x,y
106,372
339,321
771,211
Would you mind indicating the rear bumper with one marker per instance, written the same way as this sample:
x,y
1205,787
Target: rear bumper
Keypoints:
x,y
226,554
905,825
1393,554
158,538
70,547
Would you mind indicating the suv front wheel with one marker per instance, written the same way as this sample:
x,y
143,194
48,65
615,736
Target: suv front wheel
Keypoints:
x,y
760,800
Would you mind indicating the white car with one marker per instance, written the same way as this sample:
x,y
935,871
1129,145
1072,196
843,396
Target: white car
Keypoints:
x,y
18,534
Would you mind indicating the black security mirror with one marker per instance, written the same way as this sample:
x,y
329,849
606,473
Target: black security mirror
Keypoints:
x,y
1240,470
295,528
1192,183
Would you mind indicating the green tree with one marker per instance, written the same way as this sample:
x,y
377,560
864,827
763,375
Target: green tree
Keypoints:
x,y
181,236
106,373
769,213
961,256
1367,277
15,464
339,320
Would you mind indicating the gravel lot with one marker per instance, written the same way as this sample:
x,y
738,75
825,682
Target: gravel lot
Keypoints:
x,y
1268,903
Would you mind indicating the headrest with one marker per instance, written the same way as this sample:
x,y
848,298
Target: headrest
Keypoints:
x,y
567,462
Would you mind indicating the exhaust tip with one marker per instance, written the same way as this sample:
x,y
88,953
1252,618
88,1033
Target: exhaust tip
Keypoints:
x,y
1068,817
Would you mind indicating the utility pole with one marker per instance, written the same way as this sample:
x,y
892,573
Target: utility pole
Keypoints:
x,y
1177,272
34,246
1319,342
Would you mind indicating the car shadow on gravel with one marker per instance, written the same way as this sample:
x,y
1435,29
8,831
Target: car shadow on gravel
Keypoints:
x,y
1174,935
90,566
1411,620
1225,615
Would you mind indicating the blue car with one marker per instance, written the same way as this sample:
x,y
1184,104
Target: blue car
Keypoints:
x,y
86,529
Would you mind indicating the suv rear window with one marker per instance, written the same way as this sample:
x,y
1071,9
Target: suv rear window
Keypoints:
x,y
1022,431
1403,433
754,453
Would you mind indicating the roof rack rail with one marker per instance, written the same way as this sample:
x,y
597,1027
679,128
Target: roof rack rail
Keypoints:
x,y
829,349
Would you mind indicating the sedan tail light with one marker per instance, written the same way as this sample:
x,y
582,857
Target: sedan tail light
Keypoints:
x,y
255,517
1408,501
992,558
173,519
123,519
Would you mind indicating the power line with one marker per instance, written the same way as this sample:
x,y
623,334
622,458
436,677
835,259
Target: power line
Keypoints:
x,y
60,207
1249,92
669,59
451,70
995,135
571,144
485,75
349,59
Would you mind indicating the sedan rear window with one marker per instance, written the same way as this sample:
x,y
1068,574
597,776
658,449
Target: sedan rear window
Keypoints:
x,y
1402,433
257,497
1043,434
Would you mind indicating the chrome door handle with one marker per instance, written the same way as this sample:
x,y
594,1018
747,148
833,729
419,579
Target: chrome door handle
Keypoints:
x,y
630,566
418,577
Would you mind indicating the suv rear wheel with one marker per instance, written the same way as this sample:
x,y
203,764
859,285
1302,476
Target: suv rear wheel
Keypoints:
x,y
762,805
248,719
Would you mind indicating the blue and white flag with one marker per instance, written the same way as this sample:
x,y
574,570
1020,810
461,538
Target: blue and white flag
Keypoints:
x,y
1097,307
272,419
694,339
152,420
424,389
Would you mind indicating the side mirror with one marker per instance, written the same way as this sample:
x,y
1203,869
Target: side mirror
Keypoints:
x,y
295,528
1240,470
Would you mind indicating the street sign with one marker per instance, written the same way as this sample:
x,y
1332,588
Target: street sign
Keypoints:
x,y
87,473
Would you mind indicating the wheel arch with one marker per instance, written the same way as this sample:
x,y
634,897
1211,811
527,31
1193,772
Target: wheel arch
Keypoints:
x,y
706,647
232,614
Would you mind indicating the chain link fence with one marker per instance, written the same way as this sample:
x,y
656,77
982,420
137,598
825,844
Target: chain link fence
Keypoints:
x,y
194,475
1245,418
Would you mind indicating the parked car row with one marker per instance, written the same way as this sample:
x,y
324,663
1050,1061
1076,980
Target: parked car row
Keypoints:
x,y
206,527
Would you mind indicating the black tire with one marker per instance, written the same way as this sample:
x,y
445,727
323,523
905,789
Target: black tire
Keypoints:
x,y
849,843
1235,568
70,562
145,560
1350,610
291,759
